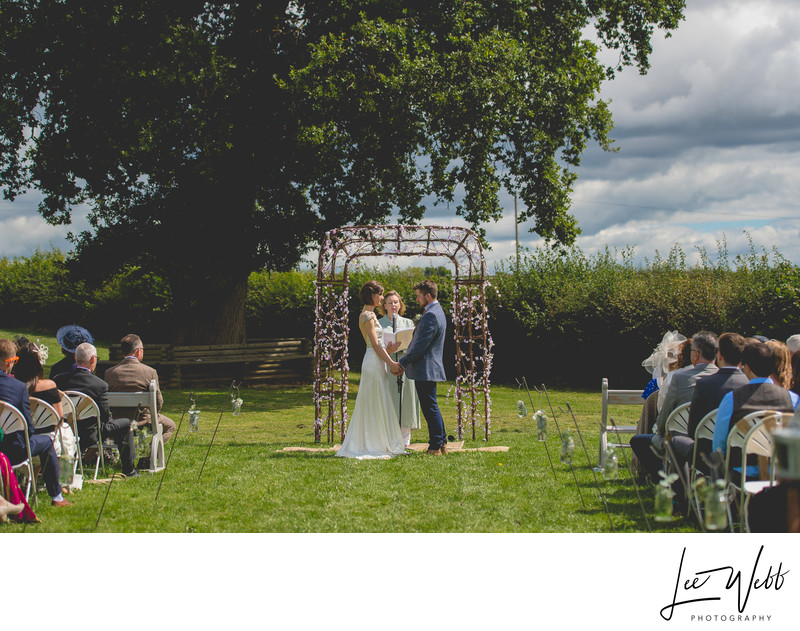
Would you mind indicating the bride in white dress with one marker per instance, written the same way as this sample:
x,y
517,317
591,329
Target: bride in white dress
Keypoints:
x,y
374,431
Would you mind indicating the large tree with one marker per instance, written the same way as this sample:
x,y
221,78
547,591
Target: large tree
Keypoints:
x,y
213,138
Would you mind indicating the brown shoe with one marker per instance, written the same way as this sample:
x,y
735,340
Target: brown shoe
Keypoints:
x,y
61,503
434,452
444,449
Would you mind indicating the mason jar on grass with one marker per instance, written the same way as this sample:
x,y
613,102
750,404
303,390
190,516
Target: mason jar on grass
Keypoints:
x,y
716,505
567,447
66,468
194,419
610,463
663,503
143,442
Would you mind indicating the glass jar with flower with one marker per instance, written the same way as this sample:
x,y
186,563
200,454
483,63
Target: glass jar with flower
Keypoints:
x,y
541,425
664,495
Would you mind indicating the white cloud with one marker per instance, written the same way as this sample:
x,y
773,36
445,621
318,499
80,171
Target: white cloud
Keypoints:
x,y
710,139
23,230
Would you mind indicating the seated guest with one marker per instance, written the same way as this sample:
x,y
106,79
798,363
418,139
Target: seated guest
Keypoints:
x,y
793,343
708,392
795,373
760,393
782,374
677,355
649,448
13,445
684,360
671,354
68,338
131,375
82,379
14,502
662,360
29,371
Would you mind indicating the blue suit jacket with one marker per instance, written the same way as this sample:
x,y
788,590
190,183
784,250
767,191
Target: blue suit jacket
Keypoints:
x,y
423,359
15,393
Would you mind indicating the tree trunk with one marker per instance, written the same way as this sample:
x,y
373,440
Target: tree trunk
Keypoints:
x,y
208,235
211,314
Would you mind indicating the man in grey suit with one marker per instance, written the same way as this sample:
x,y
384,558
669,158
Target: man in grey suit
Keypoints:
x,y
649,448
423,363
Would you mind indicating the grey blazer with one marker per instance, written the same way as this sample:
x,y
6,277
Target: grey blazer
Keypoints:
x,y
681,390
423,359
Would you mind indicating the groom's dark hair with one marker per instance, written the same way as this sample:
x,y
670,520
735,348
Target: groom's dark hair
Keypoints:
x,y
428,287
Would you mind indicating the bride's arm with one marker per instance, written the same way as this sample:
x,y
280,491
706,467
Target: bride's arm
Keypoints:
x,y
367,326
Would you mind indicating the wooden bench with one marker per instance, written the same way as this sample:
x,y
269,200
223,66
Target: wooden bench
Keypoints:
x,y
258,362
616,397
149,399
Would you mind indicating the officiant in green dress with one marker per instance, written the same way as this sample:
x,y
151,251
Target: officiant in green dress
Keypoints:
x,y
393,307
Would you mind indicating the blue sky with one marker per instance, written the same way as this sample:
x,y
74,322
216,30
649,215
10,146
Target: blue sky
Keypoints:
x,y
709,147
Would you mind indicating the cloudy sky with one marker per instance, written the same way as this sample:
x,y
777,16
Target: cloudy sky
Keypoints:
x,y
709,142
709,147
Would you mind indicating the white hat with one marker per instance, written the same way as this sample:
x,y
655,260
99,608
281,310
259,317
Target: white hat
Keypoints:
x,y
664,354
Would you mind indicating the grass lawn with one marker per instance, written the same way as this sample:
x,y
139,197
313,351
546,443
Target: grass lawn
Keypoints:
x,y
249,485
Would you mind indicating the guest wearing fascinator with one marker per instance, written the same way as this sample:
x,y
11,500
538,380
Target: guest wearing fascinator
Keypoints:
x,y
29,370
69,337
667,357
664,355
649,447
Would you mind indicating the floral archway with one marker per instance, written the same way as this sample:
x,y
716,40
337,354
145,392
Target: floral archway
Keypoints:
x,y
473,356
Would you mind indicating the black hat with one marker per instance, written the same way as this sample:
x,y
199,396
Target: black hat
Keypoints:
x,y
71,336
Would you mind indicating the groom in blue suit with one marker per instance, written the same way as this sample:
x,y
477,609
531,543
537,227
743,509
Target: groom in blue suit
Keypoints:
x,y
423,363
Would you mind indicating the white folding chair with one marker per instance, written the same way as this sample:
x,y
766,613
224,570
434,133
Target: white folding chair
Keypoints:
x,y
71,418
759,441
148,399
12,420
678,421
677,425
739,438
45,415
615,397
704,431
85,407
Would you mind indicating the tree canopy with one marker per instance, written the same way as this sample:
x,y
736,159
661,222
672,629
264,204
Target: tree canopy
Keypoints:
x,y
213,138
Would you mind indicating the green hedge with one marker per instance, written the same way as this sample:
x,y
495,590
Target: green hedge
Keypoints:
x,y
36,291
566,318
561,318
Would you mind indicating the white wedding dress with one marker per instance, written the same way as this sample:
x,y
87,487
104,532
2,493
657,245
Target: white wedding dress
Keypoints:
x,y
373,431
